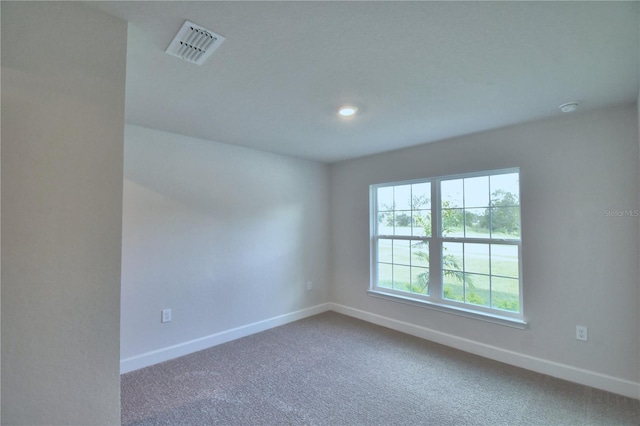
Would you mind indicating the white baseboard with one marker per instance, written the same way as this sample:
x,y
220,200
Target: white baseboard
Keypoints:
x,y
551,368
185,348
561,371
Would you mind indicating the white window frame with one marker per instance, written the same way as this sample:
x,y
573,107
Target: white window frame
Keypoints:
x,y
435,299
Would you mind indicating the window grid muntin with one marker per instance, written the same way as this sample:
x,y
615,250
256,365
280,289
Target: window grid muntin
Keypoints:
x,y
464,239
400,235
411,265
463,270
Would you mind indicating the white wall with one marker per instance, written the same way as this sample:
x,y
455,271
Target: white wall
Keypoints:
x,y
580,267
225,236
63,87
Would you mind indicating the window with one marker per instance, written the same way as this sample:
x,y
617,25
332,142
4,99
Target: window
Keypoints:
x,y
450,242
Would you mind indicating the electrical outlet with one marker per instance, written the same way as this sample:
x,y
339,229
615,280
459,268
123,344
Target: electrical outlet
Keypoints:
x,y
166,315
582,333
309,285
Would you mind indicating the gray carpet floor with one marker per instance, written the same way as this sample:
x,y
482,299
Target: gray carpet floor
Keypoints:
x,y
331,369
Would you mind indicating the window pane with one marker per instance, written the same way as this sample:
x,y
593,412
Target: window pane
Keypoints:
x,y
504,260
401,277
402,221
385,223
421,196
452,285
420,280
385,275
420,254
452,275
451,193
422,223
505,294
505,222
476,192
402,197
476,258
452,256
401,252
452,223
476,223
505,184
385,251
385,198
477,289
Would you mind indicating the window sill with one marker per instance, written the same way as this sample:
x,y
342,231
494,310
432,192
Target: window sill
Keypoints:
x,y
481,316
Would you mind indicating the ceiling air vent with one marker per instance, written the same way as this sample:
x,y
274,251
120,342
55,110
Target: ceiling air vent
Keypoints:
x,y
194,43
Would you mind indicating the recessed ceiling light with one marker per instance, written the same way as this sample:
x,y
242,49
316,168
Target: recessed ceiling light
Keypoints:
x,y
347,111
568,107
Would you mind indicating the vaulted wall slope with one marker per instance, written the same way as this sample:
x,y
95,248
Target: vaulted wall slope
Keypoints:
x,y
225,236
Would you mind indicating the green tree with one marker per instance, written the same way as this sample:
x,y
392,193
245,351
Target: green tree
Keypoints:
x,y
450,262
424,222
504,214
419,201
403,219
451,218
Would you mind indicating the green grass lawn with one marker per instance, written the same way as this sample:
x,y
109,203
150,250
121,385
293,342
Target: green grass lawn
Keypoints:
x,y
498,297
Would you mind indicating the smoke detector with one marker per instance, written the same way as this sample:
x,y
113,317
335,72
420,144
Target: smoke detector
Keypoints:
x,y
194,43
569,107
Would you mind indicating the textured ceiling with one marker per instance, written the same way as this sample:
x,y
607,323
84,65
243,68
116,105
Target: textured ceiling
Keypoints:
x,y
418,71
